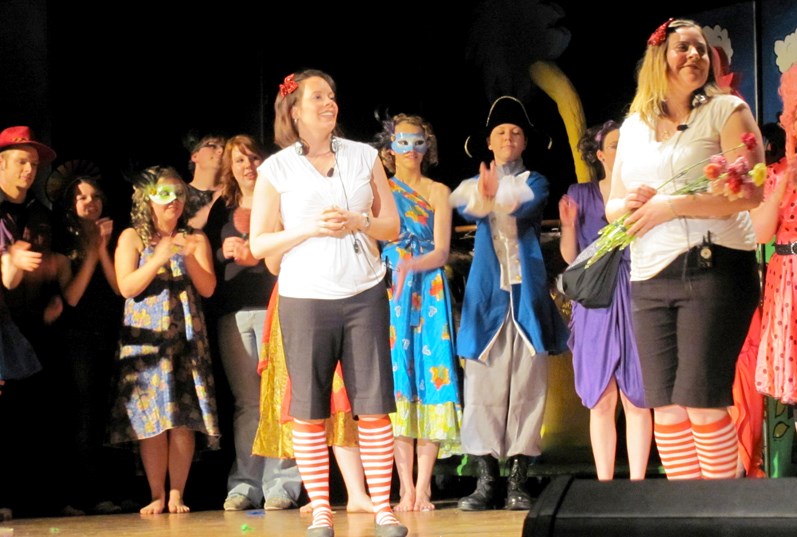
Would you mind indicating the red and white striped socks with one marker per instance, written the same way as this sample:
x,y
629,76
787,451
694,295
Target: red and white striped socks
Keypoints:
x,y
376,451
691,451
717,448
677,452
312,458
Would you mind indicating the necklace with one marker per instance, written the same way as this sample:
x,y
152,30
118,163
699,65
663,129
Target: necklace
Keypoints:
x,y
160,235
667,128
667,125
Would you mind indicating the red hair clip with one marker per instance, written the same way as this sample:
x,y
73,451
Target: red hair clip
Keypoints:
x,y
289,85
658,37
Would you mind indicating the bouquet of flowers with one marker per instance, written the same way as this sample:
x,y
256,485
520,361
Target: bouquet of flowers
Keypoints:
x,y
734,181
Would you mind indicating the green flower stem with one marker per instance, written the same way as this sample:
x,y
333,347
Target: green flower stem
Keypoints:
x,y
688,168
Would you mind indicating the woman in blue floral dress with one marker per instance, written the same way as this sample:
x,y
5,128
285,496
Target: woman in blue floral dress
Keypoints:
x,y
165,390
425,370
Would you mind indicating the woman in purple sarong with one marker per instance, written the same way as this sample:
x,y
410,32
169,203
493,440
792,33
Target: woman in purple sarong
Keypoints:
x,y
605,360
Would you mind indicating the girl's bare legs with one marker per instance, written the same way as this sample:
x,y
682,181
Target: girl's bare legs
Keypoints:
x,y
427,456
181,453
603,432
639,435
405,462
351,468
155,457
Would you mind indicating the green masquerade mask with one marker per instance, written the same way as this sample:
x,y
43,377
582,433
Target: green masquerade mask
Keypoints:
x,y
164,194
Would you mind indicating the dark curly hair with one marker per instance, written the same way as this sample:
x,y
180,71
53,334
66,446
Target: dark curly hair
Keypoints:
x,y
384,138
592,142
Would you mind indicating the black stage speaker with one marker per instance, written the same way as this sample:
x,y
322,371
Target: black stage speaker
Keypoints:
x,y
657,507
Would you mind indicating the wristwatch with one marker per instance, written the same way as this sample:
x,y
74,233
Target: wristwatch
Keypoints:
x,y
367,224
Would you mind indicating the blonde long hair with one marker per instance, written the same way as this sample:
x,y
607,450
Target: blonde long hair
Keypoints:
x,y
141,213
650,100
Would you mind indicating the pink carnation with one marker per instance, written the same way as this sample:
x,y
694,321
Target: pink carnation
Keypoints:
x,y
739,166
748,139
720,161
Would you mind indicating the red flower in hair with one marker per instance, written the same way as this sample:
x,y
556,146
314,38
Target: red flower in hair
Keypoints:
x,y
658,37
289,85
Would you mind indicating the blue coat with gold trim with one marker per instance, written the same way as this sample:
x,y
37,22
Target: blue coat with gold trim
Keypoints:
x,y
485,304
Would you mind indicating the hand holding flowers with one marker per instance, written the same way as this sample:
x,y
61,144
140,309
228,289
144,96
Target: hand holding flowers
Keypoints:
x,y
734,181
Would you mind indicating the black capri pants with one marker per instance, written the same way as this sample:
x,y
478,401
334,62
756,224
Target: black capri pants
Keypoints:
x,y
690,324
355,330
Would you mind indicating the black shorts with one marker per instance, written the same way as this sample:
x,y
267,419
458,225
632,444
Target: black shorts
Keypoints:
x,y
355,330
690,324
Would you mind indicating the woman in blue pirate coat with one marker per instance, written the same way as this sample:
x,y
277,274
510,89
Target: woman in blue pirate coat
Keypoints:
x,y
509,323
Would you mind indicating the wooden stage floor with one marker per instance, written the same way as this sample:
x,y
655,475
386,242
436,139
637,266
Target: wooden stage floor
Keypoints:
x,y
447,520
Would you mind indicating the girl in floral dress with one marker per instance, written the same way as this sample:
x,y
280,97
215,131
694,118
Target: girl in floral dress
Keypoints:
x,y
165,391
425,375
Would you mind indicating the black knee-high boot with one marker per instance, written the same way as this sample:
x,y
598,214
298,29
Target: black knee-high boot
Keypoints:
x,y
484,495
517,499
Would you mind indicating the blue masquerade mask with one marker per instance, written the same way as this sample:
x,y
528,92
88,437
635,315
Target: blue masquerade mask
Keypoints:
x,y
405,142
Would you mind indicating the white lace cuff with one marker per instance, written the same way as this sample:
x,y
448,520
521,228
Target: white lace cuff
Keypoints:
x,y
467,194
512,191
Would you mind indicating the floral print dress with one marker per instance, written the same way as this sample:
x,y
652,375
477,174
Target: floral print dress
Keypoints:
x,y
425,368
164,370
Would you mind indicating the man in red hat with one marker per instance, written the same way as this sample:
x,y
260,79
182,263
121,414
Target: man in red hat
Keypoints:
x,y
20,156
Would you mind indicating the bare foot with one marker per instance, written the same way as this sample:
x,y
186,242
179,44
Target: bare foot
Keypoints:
x,y
407,503
423,503
176,504
154,508
306,509
360,504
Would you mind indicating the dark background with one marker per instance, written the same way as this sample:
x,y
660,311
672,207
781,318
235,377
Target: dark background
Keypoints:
x,y
120,84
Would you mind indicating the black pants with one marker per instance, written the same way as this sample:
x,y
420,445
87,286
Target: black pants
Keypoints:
x,y
690,324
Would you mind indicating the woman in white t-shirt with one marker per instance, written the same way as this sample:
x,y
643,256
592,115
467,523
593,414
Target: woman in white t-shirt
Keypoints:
x,y
321,203
694,282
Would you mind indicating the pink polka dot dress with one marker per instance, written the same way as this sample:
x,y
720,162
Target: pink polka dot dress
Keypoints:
x,y
776,374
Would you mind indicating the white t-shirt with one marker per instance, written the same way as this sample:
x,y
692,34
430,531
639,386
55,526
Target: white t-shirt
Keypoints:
x,y
644,161
325,267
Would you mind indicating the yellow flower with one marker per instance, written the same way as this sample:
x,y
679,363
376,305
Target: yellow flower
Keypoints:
x,y
759,174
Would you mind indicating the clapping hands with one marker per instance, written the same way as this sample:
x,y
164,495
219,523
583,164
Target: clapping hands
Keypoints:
x,y
488,180
23,257
237,249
